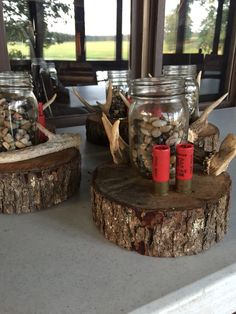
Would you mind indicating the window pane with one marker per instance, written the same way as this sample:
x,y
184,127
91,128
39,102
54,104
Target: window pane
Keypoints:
x,y
223,26
18,29
59,41
200,27
170,30
125,29
100,29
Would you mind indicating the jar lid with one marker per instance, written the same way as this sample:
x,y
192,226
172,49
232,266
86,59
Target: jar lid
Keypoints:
x,y
190,69
15,79
118,78
157,86
118,74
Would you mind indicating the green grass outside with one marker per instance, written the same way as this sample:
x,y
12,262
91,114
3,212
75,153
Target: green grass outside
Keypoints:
x,y
190,46
95,50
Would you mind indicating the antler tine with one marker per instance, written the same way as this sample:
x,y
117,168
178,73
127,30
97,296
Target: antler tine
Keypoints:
x,y
199,76
84,102
209,109
197,126
126,102
118,147
45,131
219,162
48,103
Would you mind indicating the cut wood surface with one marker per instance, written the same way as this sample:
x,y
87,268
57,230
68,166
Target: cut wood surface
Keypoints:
x,y
130,214
95,132
39,183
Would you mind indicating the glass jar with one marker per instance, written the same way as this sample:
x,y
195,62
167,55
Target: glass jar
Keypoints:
x,y
53,73
158,115
189,73
120,81
18,111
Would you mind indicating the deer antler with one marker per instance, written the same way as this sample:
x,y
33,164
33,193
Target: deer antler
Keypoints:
x,y
49,102
87,105
201,123
106,107
219,162
199,76
125,100
55,143
118,147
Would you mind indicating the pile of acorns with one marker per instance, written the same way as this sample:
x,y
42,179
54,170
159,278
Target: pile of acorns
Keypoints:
x,y
17,129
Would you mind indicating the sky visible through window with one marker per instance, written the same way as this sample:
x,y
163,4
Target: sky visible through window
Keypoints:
x,y
94,14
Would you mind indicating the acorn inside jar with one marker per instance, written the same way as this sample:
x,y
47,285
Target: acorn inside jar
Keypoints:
x,y
119,81
158,115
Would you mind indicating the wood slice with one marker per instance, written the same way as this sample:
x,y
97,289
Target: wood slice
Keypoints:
x,y
209,139
39,183
131,215
95,131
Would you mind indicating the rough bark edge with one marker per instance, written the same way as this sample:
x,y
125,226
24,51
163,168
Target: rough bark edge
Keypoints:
x,y
195,230
35,190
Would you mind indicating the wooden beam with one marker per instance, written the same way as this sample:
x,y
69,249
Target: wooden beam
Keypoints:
x,y
136,37
159,37
218,27
36,10
145,38
4,60
119,30
182,18
79,30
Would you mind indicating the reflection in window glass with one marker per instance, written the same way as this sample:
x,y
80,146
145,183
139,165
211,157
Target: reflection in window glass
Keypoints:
x,y
125,29
223,27
200,27
59,41
18,29
170,30
100,29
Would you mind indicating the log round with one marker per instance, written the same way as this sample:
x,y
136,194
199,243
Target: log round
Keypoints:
x,y
129,213
39,183
96,133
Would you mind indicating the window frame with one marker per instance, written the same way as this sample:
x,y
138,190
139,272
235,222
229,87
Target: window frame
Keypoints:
x,y
118,63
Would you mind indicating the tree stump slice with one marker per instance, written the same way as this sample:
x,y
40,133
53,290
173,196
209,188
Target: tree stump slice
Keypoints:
x,y
96,133
39,183
129,213
209,139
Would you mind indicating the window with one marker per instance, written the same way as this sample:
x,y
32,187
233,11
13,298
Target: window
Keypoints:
x,y
100,29
59,38
195,31
125,29
83,30
18,30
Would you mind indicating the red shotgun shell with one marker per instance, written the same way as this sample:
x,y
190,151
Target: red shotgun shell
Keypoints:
x,y
184,167
161,168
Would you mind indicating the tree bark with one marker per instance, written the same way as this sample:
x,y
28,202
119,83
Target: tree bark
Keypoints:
x,y
129,213
39,183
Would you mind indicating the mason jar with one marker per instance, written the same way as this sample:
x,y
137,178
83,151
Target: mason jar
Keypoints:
x,y
120,83
189,73
158,115
18,111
